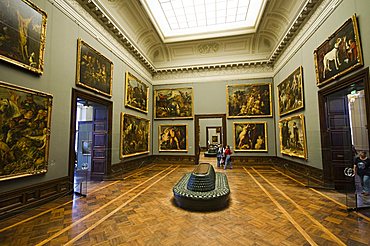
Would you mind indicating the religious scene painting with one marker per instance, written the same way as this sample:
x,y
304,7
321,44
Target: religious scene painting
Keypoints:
x,y
249,100
339,54
94,71
24,131
137,94
173,138
250,136
135,132
173,103
22,34
293,136
290,93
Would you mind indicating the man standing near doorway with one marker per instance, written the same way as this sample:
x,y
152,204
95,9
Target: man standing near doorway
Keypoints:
x,y
362,168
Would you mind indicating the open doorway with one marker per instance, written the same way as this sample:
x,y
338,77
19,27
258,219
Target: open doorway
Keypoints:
x,y
90,139
210,129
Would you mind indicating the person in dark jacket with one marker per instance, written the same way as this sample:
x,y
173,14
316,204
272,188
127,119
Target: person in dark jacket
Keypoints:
x,y
362,168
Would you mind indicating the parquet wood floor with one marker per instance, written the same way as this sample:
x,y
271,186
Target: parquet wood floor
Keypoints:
x,y
267,207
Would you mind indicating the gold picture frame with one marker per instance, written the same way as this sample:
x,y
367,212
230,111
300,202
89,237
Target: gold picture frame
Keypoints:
x,y
249,100
174,103
250,136
25,119
293,136
136,94
23,34
173,138
290,93
134,135
339,54
94,71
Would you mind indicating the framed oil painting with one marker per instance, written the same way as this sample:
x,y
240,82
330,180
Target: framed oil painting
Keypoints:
x,y
293,136
250,136
25,117
290,93
173,138
249,100
22,34
137,94
339,54
94,71
173,103
135,135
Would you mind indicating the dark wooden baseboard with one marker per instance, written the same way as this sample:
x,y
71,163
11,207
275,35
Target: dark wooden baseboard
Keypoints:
x,y
174,159
127,165
18,200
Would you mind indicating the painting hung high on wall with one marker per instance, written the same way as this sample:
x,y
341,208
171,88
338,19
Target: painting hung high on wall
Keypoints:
x,y
25,129
22,34
250,136
293,136
290,93
249,100
173,103
339,54
173,138
135,132
137,94
94,71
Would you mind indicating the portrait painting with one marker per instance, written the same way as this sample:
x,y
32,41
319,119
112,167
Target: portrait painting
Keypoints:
x,y
22,34
135,135
137,94
25,117
249,100
94,71
250,136
339,54
293,136
290,93
173,103
173,138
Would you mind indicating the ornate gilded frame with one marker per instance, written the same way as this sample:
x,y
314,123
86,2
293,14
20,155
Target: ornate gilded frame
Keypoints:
x,y
250,136
94,71
249,100
173,138
290,93
339,54
23,32
176,103
134,135
288,144
135,96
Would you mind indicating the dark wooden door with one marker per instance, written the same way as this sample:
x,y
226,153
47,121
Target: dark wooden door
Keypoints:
x,y
99,142
337,143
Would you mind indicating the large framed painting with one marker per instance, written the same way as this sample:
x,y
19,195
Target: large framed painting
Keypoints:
x,y
249,100
290,93
22,34
339,54
293,136
173,138
137,94
250,136
94,71
173,103
135,135
25,117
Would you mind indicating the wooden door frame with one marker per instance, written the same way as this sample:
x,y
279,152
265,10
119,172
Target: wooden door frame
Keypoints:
x,y
197,131
358,77
72,134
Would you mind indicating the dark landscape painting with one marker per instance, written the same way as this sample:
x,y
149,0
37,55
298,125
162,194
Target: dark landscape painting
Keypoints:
x,y
173,103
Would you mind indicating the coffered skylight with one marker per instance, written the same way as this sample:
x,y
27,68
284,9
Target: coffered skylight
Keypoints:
x,y
179,20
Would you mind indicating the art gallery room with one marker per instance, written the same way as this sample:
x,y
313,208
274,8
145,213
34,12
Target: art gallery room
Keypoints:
x,y
184,122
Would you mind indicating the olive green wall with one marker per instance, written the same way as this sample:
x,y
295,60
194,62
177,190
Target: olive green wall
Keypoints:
x,y
58,79
304,56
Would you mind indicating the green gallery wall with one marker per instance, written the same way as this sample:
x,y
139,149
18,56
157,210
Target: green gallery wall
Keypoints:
x,y
58,79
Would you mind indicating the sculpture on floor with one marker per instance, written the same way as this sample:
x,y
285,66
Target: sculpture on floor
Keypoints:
x,y
202,190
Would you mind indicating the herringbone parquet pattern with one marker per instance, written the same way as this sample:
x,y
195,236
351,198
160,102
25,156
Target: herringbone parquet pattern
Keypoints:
x,y
267,207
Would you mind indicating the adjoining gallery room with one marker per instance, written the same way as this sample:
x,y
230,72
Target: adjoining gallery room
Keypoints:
x,y
177,122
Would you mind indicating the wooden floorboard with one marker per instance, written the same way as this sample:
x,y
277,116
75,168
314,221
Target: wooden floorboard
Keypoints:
x,y
266,208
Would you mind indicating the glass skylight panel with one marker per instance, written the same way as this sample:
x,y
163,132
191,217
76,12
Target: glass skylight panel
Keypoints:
x,y
193,17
